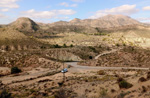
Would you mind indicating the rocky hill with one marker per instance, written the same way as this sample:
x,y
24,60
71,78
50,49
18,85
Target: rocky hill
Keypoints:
x,y
25,25
29,27
24,30
12,39
102,22
127,57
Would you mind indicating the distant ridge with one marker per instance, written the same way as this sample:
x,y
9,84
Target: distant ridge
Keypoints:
x,y
31,28
102,22
27,25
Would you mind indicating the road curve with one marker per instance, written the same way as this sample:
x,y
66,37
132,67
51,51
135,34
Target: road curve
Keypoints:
x,y
75,65
107,52
78,67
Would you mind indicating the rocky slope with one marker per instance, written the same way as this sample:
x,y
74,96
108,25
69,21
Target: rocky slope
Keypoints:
x,y
26,30
127,57
102,22
12,39
28,26
25,25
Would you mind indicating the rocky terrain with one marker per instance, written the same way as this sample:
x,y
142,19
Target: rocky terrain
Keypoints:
x,y
108,21
126,57
82,84
106,57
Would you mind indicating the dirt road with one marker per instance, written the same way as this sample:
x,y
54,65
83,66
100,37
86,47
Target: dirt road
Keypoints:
x,y
107,52
28,75
75,66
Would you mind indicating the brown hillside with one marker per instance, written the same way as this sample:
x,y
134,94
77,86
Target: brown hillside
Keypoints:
x,y
25,25
102,22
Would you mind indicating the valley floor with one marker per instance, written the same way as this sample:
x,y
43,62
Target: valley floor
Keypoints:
x,y
80,82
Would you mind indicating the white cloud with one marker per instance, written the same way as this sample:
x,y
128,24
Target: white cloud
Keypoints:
x,y
124,9
143,19
68,5
2,16
64,12
146,8
77,0
74,5
4,10
6,5
62,18
47,14
9,4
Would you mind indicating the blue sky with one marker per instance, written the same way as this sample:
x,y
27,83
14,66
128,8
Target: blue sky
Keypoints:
x,y
48,11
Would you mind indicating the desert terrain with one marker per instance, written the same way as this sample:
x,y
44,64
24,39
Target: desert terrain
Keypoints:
x,y
107,57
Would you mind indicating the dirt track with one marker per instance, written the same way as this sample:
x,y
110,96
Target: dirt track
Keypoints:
x,y
80,67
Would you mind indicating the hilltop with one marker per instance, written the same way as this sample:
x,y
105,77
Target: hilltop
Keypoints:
x,y
24,24
108,21
29,27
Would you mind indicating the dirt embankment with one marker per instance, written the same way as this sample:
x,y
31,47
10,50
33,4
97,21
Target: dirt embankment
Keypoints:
x,y
36,58
127,57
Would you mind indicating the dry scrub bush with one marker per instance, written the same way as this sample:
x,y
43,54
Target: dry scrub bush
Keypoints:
x,y
123,83
148,76
5,94
142,79
101,72
64,93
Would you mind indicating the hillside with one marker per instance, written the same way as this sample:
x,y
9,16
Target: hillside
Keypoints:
x,y
126,57
25,25
11,39
104,57
88,32
31,28
9,33
102,22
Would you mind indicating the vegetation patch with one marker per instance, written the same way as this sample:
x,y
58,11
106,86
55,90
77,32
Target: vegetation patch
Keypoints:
x,y
123,83
15,70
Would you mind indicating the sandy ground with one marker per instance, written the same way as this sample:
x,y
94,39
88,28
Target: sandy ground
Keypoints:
x,y
37,72
25,75
83,80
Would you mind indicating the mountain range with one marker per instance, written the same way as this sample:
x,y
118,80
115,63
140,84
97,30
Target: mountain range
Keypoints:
x,y
26,30
102,22
110,21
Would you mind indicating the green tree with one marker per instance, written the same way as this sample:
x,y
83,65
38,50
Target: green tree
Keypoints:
x,y
15,70
64,46
71,45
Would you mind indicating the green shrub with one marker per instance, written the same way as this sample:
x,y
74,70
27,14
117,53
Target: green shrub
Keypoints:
x,y
125,84
93,49
64,93
15,70
56,46
5,94
59,46
117,45
90,57
104,94
64,46
122,95
148,76
124,44
43,47
71,45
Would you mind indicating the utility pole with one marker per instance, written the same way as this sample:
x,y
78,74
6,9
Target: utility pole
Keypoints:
x,y
57,58
63,72
62,66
